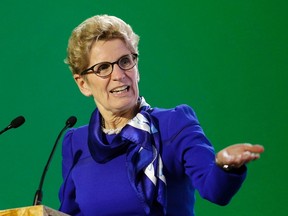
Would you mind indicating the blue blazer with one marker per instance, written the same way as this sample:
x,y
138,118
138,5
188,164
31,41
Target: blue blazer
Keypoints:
x,y
90,188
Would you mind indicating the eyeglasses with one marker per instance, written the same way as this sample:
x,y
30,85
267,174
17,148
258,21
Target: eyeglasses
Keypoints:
x,y
104,69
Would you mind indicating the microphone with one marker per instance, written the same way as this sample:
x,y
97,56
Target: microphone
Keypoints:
x,y
15,123
39,193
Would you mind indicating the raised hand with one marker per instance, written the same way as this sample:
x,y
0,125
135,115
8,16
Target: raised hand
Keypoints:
x,y
234,156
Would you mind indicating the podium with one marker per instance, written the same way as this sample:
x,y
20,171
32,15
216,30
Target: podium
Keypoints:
x,y
37,210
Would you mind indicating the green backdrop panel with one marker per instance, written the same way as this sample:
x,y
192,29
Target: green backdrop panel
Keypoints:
x,y
226,59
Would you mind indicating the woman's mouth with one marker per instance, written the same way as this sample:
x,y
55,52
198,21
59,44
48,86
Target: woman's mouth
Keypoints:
x,y
120,90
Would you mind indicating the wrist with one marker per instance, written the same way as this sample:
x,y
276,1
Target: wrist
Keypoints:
x,y
231,168
225,167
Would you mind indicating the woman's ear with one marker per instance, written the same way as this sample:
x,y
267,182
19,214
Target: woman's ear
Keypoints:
x,y
82,85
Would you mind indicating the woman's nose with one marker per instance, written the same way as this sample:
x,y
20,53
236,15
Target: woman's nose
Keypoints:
x,y
118,73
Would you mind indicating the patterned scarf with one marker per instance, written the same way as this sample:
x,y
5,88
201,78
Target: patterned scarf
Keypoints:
x,y
139,139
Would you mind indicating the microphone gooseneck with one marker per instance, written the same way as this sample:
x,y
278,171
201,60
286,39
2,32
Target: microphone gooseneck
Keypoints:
x,y
71,121
15,123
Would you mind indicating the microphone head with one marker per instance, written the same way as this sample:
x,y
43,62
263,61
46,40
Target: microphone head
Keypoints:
x,y
71,121
17,122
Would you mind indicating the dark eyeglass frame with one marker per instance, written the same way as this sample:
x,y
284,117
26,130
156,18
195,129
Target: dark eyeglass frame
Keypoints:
x,y
91,69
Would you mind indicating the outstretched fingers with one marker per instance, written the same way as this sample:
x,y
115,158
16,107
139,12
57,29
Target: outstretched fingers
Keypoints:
x,y
239,154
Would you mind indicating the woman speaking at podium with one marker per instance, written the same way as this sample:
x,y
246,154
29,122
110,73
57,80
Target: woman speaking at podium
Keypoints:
x,y
133,159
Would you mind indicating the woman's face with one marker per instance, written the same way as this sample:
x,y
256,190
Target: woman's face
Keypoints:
x,y
117,93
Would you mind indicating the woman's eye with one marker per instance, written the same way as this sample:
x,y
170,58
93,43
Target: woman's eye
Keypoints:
x,y
102,68
125,61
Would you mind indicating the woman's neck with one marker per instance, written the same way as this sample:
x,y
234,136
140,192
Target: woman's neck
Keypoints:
x,y
119,120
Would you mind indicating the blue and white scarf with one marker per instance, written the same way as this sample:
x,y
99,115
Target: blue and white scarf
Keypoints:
x,y
140,140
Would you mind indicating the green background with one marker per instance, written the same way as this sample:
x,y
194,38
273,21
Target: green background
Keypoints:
x,y
227,59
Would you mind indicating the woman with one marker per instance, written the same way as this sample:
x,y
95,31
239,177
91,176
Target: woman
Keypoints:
x,y
132,159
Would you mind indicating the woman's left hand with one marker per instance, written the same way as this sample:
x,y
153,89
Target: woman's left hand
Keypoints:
x,y
237,155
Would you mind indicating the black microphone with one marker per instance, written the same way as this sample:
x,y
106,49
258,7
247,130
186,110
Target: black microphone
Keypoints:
x,y
15,123
39,193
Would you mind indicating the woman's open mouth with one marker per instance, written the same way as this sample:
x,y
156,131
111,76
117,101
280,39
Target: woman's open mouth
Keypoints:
x,y
120,90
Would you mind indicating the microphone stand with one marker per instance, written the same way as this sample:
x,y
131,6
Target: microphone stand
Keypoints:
x,y
39,193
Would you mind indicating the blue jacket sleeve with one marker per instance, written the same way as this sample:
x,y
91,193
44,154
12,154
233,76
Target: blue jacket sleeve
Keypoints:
x,y
193,150
67,190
